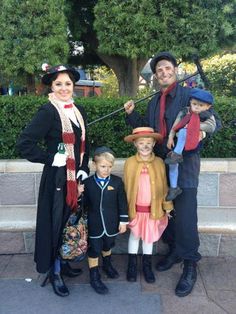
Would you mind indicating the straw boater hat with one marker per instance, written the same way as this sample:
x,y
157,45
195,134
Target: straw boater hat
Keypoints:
x,y
143,132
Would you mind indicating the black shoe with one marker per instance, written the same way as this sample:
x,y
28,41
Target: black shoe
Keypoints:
x,y
95,281
132,268
58,285
168,262
107,267
187,279
147,269
173,193
173,158
67,270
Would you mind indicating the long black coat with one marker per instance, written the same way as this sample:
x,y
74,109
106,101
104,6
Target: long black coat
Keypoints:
x,y
46,125
107,206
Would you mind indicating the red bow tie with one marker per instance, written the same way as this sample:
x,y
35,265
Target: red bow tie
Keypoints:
x,y
68,106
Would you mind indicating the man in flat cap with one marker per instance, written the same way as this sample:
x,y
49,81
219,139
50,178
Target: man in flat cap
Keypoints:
x,y
181,233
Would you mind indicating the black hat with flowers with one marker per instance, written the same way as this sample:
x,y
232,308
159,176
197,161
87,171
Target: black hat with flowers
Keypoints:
x,y
51,71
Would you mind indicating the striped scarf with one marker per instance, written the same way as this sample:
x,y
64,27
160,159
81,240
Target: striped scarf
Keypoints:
x,y
68,137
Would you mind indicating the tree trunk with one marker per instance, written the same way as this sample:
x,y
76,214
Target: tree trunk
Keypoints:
x,y
127,72
30,81
200,71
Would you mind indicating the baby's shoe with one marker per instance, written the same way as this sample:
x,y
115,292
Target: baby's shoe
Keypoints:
x,y
173,193
173,158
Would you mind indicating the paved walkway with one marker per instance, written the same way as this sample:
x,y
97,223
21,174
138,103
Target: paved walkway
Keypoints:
x,y
214,292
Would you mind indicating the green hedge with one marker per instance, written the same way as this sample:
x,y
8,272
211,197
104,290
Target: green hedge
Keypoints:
x,y
16,112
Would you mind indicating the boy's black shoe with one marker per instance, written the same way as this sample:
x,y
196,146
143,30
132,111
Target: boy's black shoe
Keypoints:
x,y
187,279
95,281
173,193
107,267
173,158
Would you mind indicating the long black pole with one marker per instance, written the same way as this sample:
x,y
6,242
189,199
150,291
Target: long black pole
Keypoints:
x,y
138,101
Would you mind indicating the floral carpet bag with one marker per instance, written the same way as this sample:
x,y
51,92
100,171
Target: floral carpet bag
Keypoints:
x,y
75,237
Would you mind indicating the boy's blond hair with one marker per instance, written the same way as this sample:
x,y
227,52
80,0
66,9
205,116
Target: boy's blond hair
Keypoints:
x,y
107,156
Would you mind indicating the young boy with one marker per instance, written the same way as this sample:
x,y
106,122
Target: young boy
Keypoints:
x,y
105,200
146,188
189,122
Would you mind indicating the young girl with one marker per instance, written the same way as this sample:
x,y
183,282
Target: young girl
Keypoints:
x,y
146,189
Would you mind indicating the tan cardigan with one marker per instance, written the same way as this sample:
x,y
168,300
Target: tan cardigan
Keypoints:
x,y
159,188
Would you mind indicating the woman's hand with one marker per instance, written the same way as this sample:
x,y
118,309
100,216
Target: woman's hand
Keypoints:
x,y
129,106
122,228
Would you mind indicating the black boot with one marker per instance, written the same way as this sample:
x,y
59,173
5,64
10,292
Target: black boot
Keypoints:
x,y
107,267
68,271
132,268
168,261
58,284
187,279
147,269
95,281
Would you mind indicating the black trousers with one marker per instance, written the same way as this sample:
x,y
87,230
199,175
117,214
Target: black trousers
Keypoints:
x,y
96,246
181,233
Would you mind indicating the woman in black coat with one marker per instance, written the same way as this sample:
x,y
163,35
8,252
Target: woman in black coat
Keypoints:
x,y
58,121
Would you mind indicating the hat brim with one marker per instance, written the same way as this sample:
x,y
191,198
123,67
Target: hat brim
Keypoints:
x,y
132,137
202,100
47,78
162,56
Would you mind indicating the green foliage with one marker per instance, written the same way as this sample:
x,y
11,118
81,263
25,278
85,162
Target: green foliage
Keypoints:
x,y
141,28
124,34
16,112
228,34
221,72
190,27
32,32
221,145
109,81
124,26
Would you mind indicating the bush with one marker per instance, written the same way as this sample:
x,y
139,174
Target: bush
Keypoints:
x,y
221,73
16,112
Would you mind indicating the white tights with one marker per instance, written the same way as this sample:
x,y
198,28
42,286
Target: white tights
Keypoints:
x,y
133,245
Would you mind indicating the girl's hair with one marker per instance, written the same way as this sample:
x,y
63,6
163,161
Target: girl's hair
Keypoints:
x,y
54,77
107,156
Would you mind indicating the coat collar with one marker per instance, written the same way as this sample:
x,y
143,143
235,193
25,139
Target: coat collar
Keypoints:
x,y
145,161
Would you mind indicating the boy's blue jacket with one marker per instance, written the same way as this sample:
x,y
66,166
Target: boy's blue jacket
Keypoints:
x,y
106,206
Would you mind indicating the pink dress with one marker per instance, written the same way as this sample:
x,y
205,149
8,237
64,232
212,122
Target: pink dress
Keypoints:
x,y
142,226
